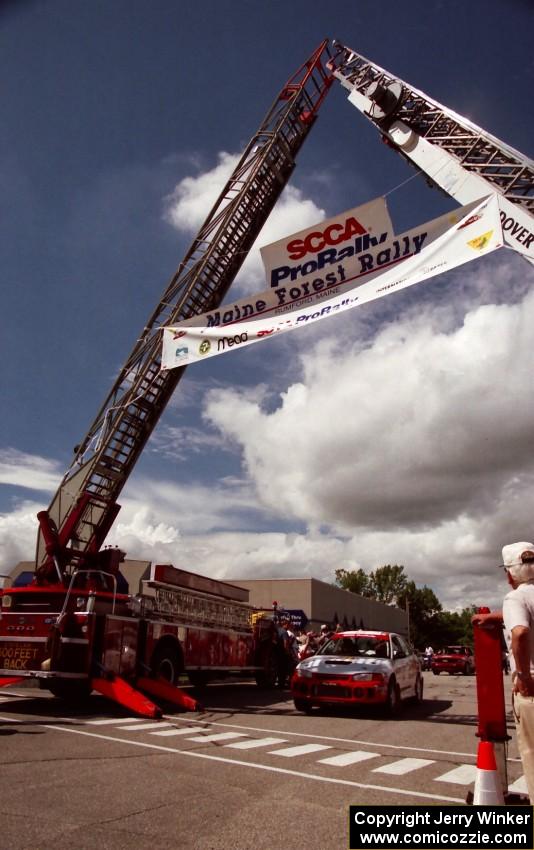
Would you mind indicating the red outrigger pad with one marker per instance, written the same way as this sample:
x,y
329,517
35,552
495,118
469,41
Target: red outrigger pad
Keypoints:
x,y
120,691
164,690
11,680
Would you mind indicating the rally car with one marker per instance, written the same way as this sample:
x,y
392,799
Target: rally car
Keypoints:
x,y
359,667
454,659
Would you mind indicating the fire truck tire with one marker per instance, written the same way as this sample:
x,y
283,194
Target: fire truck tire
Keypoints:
x,y
267,677
71,692
167,663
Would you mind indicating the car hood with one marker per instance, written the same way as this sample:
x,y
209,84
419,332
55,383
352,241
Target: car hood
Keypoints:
x,y
340,664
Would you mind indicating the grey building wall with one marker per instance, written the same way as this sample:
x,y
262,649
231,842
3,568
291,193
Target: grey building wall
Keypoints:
x,y
325,603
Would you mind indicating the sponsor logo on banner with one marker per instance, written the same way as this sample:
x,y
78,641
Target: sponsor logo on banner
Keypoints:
x,y
518,227
419,254
323,245
481,241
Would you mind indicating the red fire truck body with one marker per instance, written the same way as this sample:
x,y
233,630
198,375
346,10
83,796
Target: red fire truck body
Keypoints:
x,y
73,639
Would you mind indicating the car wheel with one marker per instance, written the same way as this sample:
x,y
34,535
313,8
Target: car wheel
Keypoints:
x,y
436,672
302,705
393,701
418,694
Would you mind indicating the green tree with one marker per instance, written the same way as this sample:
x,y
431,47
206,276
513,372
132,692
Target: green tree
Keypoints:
x,y
424,609
357,581
388,583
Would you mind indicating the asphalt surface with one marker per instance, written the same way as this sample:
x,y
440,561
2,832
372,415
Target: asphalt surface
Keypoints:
x,y
246,774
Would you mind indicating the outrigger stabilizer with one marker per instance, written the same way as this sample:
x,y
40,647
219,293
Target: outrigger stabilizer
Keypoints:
x,y
118,690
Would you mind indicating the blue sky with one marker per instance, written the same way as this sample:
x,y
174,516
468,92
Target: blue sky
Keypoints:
x,y
402,434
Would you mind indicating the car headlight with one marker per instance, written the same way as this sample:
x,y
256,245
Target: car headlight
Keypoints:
x,y
304,673
6,601
368,676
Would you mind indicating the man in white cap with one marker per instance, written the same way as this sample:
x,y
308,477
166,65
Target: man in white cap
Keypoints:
x,y
518,615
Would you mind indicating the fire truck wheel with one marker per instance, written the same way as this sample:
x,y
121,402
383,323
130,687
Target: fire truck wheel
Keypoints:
x,y
267,677
167,663
71,692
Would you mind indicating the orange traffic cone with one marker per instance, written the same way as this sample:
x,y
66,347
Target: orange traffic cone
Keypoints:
x,y
488,788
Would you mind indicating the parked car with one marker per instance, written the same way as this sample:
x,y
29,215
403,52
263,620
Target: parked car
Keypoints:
x,y
454,660
359,667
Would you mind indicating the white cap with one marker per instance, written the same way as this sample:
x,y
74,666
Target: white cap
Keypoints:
x,y
518,559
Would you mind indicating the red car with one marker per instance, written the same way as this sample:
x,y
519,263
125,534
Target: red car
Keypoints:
x,y
359,667
457,660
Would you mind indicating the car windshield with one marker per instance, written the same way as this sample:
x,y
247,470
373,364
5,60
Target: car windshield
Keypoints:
x,y
454,650
363,646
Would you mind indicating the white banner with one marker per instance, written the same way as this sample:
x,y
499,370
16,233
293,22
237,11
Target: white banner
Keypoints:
x,y
316,249
419,254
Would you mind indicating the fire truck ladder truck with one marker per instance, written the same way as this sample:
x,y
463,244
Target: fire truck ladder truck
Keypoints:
x,y
465,161
73,529
82,512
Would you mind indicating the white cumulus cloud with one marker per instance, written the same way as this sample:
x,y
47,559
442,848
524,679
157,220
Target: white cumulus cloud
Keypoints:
x,y
192,199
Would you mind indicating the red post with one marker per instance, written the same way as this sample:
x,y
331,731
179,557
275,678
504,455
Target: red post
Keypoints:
x,y
487,633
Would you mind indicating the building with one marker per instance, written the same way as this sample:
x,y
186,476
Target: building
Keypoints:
x,y
324,603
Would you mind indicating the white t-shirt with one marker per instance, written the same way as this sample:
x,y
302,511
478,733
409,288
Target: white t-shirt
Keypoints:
x,y
518,610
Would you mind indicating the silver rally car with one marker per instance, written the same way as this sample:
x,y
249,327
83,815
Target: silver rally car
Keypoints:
x,y
356,668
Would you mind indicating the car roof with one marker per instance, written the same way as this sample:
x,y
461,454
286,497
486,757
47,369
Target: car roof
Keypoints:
x,y
361,633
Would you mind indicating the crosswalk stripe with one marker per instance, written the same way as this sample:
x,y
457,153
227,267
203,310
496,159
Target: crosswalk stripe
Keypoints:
x,y
256,742
519,786
110,721
398,768
168,733
348,758
302,750
220,736
465,774
142,727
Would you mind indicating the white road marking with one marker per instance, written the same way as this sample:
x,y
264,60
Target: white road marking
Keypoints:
x,y
349,741
256,742
219,736
302,750
110,721
402,766
168,733
348,758
519,786
403,792
463,775
142,727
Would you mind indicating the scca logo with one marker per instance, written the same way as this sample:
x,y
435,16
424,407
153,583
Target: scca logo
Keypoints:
x,y
319,239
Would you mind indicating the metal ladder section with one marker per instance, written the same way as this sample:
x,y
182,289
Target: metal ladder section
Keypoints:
x,y
507,171
84,507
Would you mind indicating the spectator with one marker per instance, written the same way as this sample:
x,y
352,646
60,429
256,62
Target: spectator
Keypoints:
x,y
518,613
326,634
308,647
288,652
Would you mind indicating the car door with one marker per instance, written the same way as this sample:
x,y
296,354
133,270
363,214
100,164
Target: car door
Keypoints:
x,y
402,664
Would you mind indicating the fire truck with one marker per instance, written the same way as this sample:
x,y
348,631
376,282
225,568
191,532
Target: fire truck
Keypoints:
x,y
76,628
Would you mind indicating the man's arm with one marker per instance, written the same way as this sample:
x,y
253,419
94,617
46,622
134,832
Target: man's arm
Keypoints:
x,y
521,652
